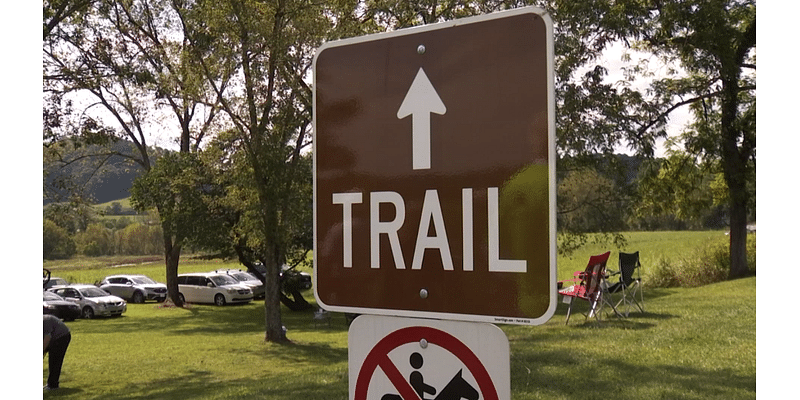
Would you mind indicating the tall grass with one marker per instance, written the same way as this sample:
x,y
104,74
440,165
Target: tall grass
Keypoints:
x,y
653,248
708,263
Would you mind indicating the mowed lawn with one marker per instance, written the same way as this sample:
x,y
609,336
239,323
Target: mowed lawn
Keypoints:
x,y
689,344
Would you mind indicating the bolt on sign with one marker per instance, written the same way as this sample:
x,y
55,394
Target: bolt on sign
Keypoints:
x,y
434,171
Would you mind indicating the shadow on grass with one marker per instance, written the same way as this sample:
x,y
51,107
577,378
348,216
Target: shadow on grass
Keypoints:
x,y
636,319
201,385
196,319
556,375
67,392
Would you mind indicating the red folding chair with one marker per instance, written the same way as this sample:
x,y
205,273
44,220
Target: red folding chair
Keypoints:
x,y
589,287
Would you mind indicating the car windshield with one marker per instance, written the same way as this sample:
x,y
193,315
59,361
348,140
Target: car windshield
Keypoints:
x,y
51,296
94,292
243,276
142,280
221,280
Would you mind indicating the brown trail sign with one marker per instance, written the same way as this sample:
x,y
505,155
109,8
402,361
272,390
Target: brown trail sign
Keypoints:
x,y
434,185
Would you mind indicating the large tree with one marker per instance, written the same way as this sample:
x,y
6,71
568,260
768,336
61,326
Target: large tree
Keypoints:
x,y
714,41
125,65
265,48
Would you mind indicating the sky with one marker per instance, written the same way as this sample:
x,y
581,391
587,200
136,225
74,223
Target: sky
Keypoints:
x,y
613,62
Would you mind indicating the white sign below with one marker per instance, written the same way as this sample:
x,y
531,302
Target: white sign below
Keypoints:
x,y
394,358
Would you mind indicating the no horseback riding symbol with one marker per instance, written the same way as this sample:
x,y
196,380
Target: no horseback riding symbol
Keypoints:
x,y
426,360
458,388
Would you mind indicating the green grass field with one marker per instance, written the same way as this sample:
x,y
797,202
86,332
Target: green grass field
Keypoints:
x,y
689,344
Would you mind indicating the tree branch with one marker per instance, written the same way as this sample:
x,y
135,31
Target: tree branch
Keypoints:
x,y
675,106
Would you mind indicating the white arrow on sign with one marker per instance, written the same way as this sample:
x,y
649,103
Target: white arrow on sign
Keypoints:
x,y
420,101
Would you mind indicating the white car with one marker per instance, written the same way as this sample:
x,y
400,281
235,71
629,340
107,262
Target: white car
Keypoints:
x,y
55,281
245,278
92,300
211,287
136,288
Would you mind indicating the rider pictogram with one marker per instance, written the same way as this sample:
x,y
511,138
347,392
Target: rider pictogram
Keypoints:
x,y
456,389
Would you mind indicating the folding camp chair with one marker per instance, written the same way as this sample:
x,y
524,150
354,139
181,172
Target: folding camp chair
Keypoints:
x,y
629,285
590,286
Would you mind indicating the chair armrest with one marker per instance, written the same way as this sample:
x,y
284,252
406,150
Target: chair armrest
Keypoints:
x,y
561,284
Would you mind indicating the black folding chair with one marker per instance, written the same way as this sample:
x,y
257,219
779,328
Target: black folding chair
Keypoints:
x,y
629,285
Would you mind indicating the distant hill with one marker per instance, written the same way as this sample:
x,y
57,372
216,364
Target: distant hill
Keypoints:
x,y
103,178
113,179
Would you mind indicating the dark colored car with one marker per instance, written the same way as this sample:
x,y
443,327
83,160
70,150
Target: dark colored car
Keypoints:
x,y
291,279
294,279
54,304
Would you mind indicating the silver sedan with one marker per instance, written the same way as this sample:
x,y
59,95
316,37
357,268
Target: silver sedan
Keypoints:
x,y
92,300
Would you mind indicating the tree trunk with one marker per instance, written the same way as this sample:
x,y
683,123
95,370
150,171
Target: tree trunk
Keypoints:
x,y
172,255
272,304
738,244
297,302
734,167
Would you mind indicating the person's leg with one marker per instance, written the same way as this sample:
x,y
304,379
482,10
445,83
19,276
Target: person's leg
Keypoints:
x,y
58,349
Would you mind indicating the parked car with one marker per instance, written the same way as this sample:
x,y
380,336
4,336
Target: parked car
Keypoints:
x,y
55,281
92,300
294,279
135,288
245,278
211,287
54,304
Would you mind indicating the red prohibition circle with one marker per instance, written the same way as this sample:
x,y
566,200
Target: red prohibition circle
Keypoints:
x,y
379,356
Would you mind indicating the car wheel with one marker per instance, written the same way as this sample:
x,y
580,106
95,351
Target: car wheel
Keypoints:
x,y
138,297
219,299
87,313
181,298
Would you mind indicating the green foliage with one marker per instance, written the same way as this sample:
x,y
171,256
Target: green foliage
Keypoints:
x,y
590,202
102,238
682,188
138,238
56,241
96,240
73,215
707,264
175,186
